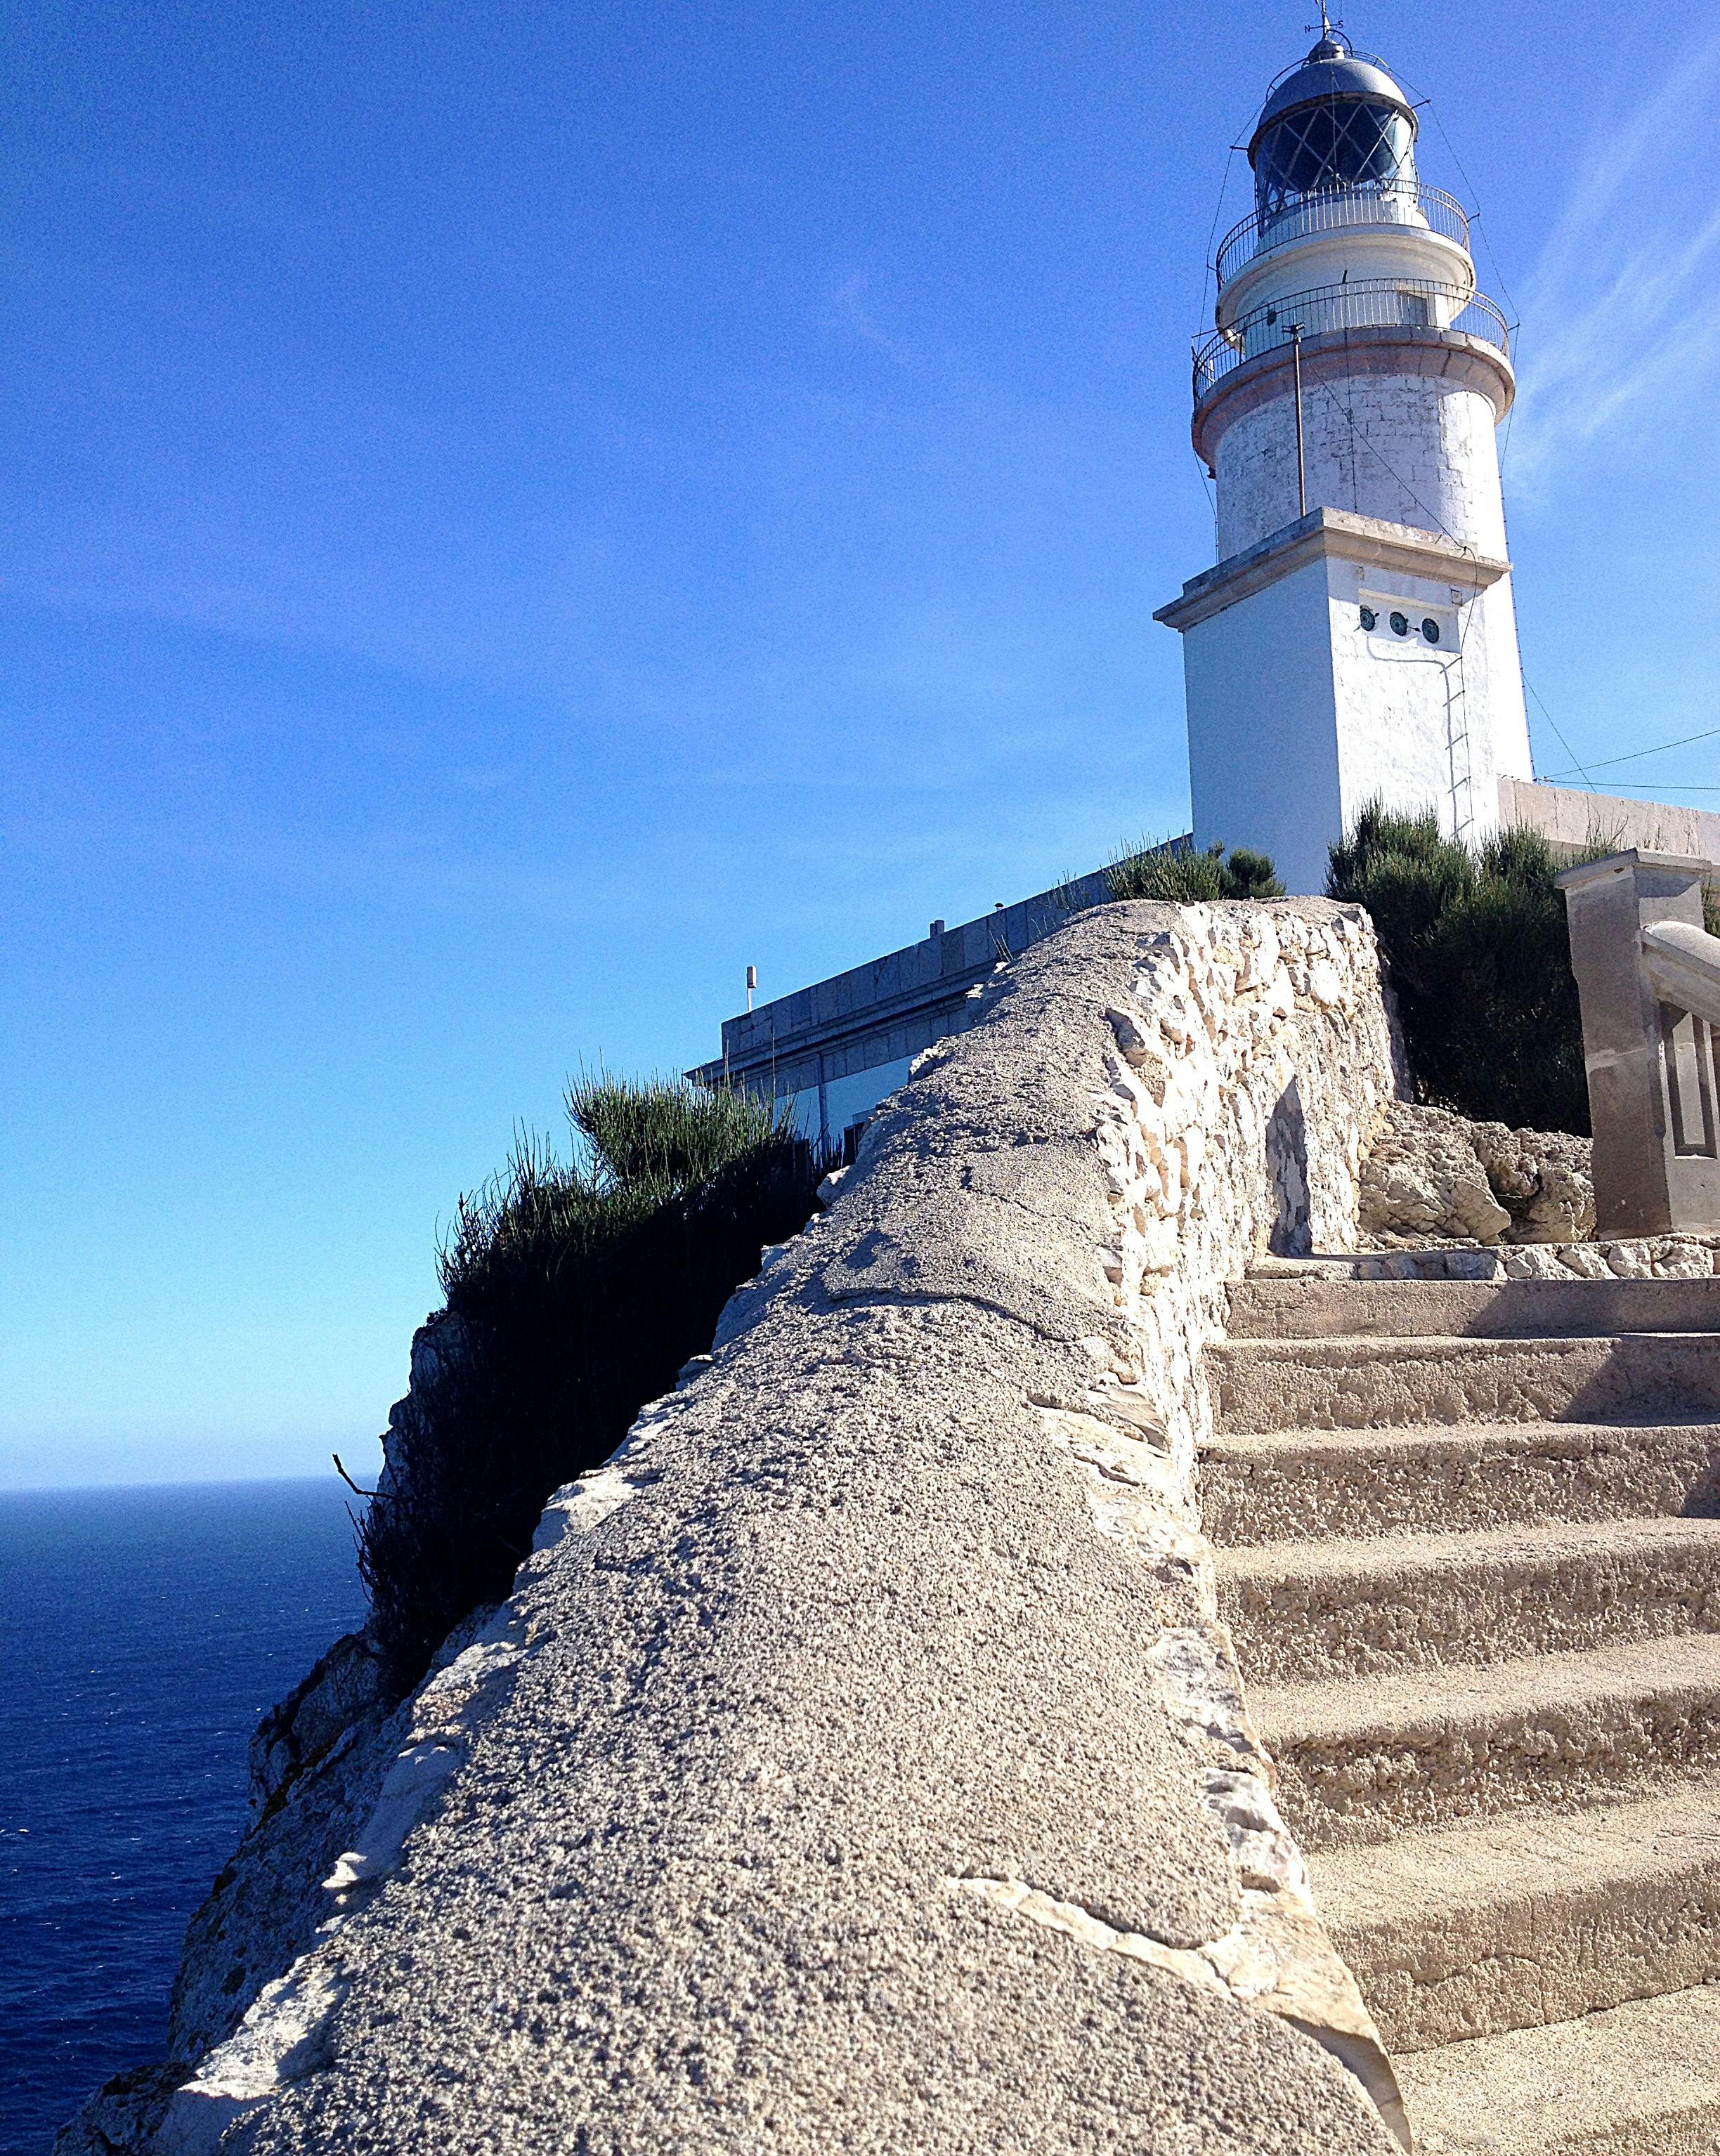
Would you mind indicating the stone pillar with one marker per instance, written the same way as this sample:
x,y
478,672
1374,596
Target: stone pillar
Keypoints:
x,y
1652,1064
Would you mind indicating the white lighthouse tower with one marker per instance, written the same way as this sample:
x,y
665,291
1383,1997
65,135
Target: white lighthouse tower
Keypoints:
x,y
1357,638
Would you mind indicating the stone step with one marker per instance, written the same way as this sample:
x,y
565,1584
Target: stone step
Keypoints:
x,y
1641,2080
1360,1382
1318,1309
1361,1759
1508,1924
1400,1602
1299,1485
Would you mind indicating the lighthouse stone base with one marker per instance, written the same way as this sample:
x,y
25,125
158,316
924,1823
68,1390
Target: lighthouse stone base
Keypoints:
x,y
1344,660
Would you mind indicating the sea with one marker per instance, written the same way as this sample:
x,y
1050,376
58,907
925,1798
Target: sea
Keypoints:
x,y
142,1633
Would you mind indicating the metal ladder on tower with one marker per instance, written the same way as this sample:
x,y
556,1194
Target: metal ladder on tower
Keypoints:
x,y
1457,744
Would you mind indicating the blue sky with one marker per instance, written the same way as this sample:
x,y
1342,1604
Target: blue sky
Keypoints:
x,y
514,513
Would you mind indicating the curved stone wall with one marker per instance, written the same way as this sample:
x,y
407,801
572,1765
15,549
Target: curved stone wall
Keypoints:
x,y
860,1760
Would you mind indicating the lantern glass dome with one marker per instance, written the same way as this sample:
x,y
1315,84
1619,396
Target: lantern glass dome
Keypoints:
x,y
1335,122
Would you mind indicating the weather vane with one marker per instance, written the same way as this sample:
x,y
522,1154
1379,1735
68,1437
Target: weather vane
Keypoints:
x,y
1327,24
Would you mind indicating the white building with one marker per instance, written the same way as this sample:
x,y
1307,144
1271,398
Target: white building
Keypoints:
x,y
1357,638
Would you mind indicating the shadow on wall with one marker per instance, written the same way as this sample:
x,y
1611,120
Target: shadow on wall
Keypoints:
x,y
1287,1164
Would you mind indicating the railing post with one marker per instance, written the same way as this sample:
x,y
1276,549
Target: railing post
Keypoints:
x,y
1302,462
1653,1064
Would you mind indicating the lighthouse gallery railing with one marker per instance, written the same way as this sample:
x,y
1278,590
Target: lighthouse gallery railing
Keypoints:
x,y
1341,209
1365,303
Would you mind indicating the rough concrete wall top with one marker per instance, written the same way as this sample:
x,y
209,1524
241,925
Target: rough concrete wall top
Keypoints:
x,y
859,1762
1571,817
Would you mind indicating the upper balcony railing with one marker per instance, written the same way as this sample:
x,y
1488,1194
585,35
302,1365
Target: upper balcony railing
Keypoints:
x,y
1364,303
1340,209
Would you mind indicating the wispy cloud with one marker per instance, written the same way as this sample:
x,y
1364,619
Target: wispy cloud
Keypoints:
x,y
1624,302
848,308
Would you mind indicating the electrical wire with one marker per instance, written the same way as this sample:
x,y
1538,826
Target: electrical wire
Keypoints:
x,y
1209,268
1448,667
1464,635
1209,271
1581,769
1429,104
1475,219
1660,749
1364,441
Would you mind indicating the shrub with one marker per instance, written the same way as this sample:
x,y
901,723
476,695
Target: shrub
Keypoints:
x,y
1250,875
580,1289
1480,959
1187,878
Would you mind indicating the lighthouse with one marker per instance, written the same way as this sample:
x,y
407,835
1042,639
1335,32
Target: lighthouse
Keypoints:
x,y
1357,638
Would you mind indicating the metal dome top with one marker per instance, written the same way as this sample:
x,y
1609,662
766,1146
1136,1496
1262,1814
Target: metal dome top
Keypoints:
x,y
1331,70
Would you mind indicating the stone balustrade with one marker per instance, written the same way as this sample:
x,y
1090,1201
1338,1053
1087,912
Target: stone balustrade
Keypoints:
x,y
1648,976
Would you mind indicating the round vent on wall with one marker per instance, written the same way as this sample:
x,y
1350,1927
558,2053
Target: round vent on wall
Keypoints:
x,y
1430,630
1400,624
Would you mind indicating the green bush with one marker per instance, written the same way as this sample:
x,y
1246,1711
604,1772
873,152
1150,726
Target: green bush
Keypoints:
x,y
1480,960
1187,878
580,1290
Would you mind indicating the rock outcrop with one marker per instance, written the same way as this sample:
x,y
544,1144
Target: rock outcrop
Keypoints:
x,y
1544,1180
1433,1176
1423,1179
344,1687
437,1345
859,1759
269,1902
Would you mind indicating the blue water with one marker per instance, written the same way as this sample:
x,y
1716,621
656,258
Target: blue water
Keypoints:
x,y
142,1634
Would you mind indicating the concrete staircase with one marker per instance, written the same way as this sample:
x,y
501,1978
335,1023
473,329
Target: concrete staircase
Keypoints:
x,y
1469,1545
